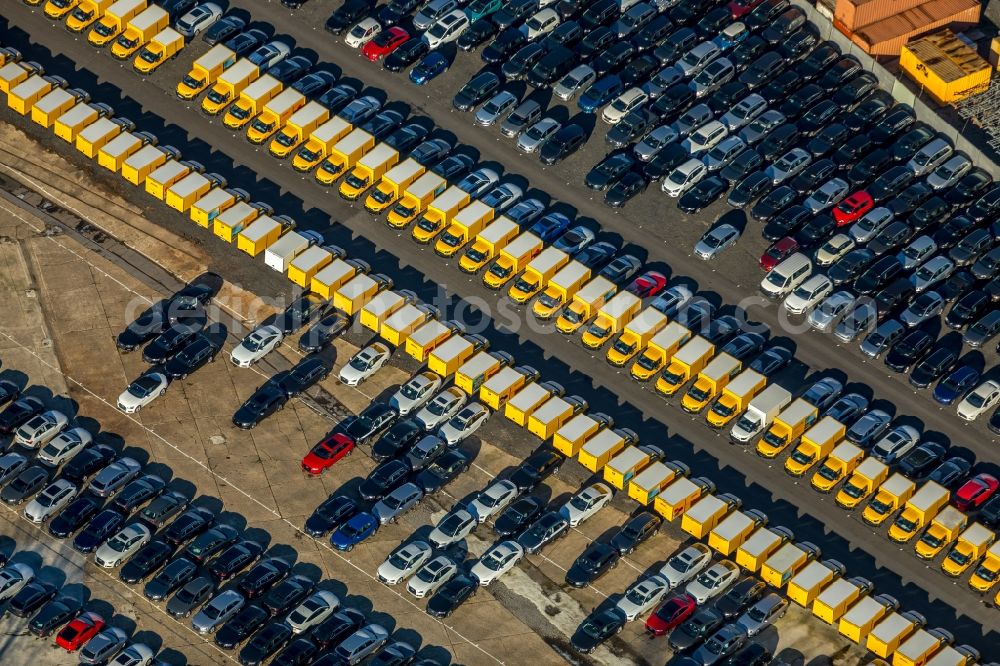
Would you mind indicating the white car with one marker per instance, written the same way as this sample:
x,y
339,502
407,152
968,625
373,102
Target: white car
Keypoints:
x,y
715,241
540,24
472,417
137,654
415,393
404,561
447,29
50,501
871,224
143,390
745,110
713,581
829,312
12,578
684,177
586,503
642,595
931,273
198,19
984,397
621,106
445,405
950,172
493,500
834,248
259,343
364,364
579,78
497,561
362,33
431,576
686,564
40,429
828,195
704,138
452,528
804,297
64,446
319,606
122,545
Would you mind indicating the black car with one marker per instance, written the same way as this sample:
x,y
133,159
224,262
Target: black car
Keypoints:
x,y
740,596
324,331
348,14
373,420
188,525
150,323
747,51
170,342
397,440
800,100
878,275
816,117
909,350
299,652
562,144
170,578
669,158
382,124
989,513
556,63
916,464
613,58
453,167
18,413
146,560
548,527
838,73
138,492
477,34
245,42
609,170
695,629
104,524
405,138
743,164
969,186
302,310
909,199
986,206
749,190
932,368
211,542
967,309
164,507
597,628
951,472
200,350
503,46
595,42
337,97
633,183
813,175
52,616
521,63
265,643
727,95
773,203
177,8
764,68
443,471
250,618
384,479
891,238
451,595
235,559
771,361
31,597
896,295
304,375
479,88
869,111
334,629
536,468
704,193
869,167
817,62
674,101
266,400
635,531
287,594
314,84
74,516
263,576
518,516
899,119
652,34
828,139
952,231
890,183
639,70
395,11
599,13
931,212
778,141
8,391
25,485
852,150
634,125
223,29
850,266
406,54
754,654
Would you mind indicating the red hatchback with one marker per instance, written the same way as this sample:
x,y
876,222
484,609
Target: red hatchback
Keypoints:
x,y
325,454
852,208
385,43
780,250
671,613
648,284
740,8
76,634
974,492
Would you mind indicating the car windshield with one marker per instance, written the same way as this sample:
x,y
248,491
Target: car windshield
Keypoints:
x,y
976,400
361,362
439,405
143,387
580,503
413,390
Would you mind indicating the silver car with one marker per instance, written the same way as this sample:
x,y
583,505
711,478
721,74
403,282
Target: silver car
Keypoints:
x,y
686,564
431,576
198,19
662,80
825,316
398,502
883,337
788,166
403,561
137,654
493,500
41,429
115,476
926,305
363,642
452,528
524,116
445,405
715,241
692,119
314,610
744,112
896,444
871,224
761,126
859,320
412,395
50,501
535,136
122,545
723,153
104,646
64,446
931,273
695,60
654,142
579,78
916,252
763,614
828,195
218,611
431,12
496,108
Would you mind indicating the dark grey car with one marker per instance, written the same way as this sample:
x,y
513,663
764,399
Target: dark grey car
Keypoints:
x,y
548,527
178,572
190,597
983,330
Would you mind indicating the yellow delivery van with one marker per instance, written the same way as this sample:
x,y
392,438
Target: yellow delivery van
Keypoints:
x,y
630,461
644,486
889,498
238,217
464,226
81,116
263,233
868,476
403,322
395,181
446,358
524,403
758,546
839,596
560,289
320,143
58,101
679,496
585,304
611,318
251,101
426,338
205,71
862,617
571,436
944,528
816,443
635,336
415,199
684,364
707,512
787,427
140,30
785,562
841,462
512,259
547,419
710,381
164,46
505,384
918,511
812,579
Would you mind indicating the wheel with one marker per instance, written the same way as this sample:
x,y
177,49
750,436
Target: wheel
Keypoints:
x,y
162,391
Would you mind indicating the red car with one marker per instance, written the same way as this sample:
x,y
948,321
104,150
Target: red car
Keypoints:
x,y
780,250
648,284
76,634
329,450
670,613
385,43
852,208
974,492
740,8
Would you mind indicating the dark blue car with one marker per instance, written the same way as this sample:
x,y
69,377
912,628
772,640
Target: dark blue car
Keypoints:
x,y
550,227
354,531
99,530
956,384
433,65
600,93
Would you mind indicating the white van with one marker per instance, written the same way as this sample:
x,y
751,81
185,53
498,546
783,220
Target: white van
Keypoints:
x,y
786,276
930,157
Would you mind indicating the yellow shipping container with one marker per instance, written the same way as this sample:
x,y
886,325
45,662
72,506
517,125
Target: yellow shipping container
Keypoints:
x,y
647,484
678,497
945,67
524,403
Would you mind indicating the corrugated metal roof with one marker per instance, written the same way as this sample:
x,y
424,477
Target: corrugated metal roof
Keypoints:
x,y
946,55
914,19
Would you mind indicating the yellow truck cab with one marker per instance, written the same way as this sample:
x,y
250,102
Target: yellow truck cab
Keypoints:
x,y
381,307
867,476
251,102
182,194
205,71
986,574
356,292
393,184
415,199
81,116
889,498
512,258
464,226
440,211
51,107
658,351
164,176
786,561
918,511
263,233
572,435
164,45
238,217
403,322
523,404
140,30
57,9
95,136
735,398
650,482
505,384
24,95
137,167
816,443
598,451
635,336
114,153
85,14
229,85
707,512
343,156
684,364
679,496
611,318
548,418
426,338
560,289
204,211
840,595
787,427
971,545
585,304
537,274
812,579
918,648
758,546
274,114
297,129
838,465
627,463
709,383
472,374
279,255
956,655
726,537
944,528
114,21
446,358
321,141
862,617
892,630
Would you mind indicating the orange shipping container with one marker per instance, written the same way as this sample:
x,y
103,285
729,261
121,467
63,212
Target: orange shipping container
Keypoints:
x,y
854,14
887,36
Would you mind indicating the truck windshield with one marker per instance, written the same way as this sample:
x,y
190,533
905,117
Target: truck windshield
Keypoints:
x,y
906,524
599,331
932,540
852,490
356,181
475,254
574,317
450,239
332,167
103,29
525,285
261,126
285,139
406,211
500,270
774,439
801,457
879,506
192,82
381,196
828,473
549,300
150,56
126,42
307,154
217,97
722,409
428,224
698,393
623,347
80,14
